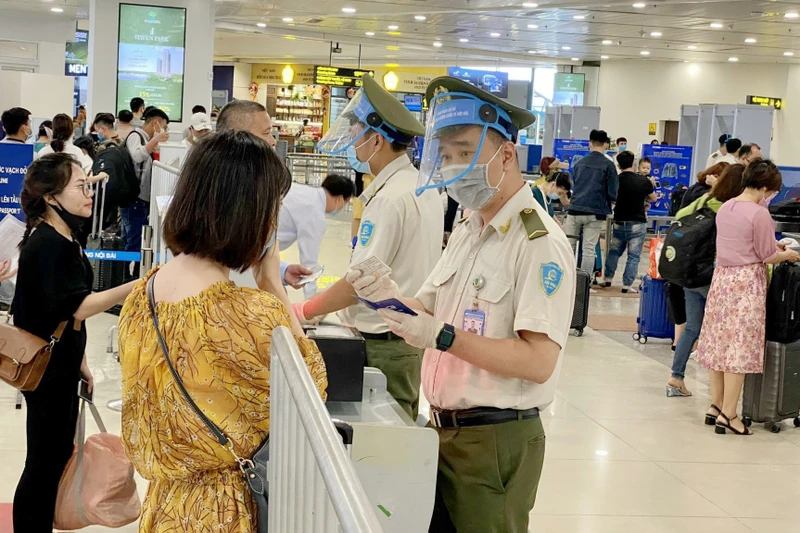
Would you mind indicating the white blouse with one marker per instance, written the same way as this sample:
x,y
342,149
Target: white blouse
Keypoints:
x,y
69,148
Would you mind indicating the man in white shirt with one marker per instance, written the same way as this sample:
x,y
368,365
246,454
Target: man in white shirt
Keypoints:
x,y
302,219
17,125
732,147
199,127
717,156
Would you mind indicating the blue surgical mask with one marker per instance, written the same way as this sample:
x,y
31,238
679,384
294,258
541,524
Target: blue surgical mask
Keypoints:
x,y
100,138
623,147
553,195
270,243
358,166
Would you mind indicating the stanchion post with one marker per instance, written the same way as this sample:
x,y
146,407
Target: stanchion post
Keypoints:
x,y
147,251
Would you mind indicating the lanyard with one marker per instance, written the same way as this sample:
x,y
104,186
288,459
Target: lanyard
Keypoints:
x,y
384,184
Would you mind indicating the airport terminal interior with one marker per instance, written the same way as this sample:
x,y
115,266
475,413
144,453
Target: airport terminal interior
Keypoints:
x,y
681,85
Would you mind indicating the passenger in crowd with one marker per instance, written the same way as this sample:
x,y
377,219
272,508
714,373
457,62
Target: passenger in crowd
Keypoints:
x,y
717,156
726,187
749,153
124,126
510,269
545,166
199,127
655,142
732,147
16,125
103,127
645,166
86,145
595,185
705,182
80,118
664,143
732,337
622,144
45,135
302,219
138,108
223,216
630,222
400,228
555,187
187,133
63,129
54,299
141,143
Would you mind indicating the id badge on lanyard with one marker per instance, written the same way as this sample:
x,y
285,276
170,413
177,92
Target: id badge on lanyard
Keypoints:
x,y
475,319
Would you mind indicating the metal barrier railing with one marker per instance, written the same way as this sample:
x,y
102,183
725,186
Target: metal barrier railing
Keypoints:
x,y
312,169
162,184
313,486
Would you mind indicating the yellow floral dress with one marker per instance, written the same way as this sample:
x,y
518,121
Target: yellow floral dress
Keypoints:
x,y
219,342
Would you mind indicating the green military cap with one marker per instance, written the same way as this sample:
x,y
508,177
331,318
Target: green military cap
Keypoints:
x,y
519,118
390,109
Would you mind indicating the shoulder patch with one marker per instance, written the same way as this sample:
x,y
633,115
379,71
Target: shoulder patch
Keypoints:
x,y
550,277
715,155
463,220
366,232
534,226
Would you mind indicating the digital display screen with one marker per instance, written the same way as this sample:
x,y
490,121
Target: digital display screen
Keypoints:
x,y
339,77
490,81
151,57
568,88
77,55
413,102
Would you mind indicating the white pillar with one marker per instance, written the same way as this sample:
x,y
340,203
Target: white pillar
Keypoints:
x,y
103,49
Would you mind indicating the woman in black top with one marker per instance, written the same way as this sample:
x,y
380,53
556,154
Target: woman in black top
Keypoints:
x,y
54,285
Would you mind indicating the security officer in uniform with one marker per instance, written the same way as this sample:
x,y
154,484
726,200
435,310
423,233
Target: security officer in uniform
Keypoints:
x,y
402,229
509,274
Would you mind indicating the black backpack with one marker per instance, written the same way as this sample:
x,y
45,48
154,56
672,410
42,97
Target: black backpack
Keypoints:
x,y
690,249
675,200
783,304
123,186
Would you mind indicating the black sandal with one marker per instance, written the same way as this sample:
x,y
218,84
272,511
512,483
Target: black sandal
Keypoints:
x,y
722,427
711,420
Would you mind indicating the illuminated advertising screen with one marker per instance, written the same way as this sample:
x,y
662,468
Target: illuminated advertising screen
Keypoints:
x,y
568,88
151,57
76,60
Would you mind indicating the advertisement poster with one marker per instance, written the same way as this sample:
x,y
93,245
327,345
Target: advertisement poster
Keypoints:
x,y
490,81
151,57
77,55
14,161
672,165
570,151
568,88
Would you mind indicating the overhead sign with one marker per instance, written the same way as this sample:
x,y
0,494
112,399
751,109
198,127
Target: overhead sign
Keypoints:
x,y
672,167
274,74
413,102
14,161
492,82
406,82
339,77
765,101
77,55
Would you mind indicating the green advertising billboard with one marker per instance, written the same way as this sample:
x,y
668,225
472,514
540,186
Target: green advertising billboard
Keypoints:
x,y
151,57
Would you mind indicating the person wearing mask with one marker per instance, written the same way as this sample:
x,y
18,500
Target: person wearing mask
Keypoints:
x,y
705,182
138,109
16,125
302,219
556,187
103,127
124,126
400,228
223,215
510,269
749,153
54,299
45,135
732,147
630,222
726,187
595,185
622,144
717,156
732,337
187,133
63,129
200,126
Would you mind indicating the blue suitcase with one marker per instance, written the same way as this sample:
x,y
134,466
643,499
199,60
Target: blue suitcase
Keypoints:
x,y
653,315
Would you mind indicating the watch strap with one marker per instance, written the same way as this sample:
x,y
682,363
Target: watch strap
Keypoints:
x,y
446,338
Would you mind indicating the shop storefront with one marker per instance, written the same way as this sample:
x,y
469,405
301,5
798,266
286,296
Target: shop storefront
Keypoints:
x,y
409,86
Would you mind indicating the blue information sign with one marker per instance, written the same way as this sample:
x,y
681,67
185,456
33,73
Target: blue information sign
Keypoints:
x,y
570,151
113,255
14,161
672,167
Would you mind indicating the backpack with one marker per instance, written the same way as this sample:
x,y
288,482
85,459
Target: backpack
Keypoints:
x,y
690,249
675,200
783,304
123,186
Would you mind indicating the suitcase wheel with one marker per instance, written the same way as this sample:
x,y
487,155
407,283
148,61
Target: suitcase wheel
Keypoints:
x,y
797,422
641,338
636,336
747,421
774,427
579,333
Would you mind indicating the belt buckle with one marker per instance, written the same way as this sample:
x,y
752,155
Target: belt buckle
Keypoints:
x,y
436,419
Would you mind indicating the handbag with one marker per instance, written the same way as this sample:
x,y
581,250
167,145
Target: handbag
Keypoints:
x,y
24,356
253,469
97,487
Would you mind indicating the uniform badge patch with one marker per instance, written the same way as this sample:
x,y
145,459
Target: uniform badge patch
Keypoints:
x,y
550,277
366,232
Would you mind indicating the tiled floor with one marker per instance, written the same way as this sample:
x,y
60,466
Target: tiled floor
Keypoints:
x,y
621,457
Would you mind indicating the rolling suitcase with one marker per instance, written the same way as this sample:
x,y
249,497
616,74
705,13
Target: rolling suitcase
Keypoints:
x,y
653,317
774,395
107,274
783,304
583,284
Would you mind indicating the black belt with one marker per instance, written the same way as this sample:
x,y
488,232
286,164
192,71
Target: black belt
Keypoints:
x,y
388,336
478,416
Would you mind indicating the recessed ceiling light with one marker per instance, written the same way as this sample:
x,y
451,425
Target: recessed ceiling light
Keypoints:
x,y
603,57
494,34
287,19
394,27
576,58
608,41
655,34
750,40
792,15
261,25
717,25
22,48
530,5
788,54
420,17
579,17
645,53
692,47
531,51
370,34
566,48
639,5
533,27
56,10
733,59
348,10
437,44
463,40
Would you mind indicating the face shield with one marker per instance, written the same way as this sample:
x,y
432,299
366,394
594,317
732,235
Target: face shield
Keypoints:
x,y
457,128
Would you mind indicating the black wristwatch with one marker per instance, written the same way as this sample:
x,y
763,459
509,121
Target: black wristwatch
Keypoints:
x,y
446,338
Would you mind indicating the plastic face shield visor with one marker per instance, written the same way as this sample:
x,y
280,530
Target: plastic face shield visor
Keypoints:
x,y
451,114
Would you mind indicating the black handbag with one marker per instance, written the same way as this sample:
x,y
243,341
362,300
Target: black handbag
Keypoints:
x,y
254,469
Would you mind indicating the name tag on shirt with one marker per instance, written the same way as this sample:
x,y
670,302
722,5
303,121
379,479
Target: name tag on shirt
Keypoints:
x,y
474,322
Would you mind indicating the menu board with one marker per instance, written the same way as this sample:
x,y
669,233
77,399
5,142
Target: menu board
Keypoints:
x,y
339,77
151,57
76,57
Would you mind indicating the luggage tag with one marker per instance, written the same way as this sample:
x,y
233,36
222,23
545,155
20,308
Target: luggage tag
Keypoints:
x,y
475,319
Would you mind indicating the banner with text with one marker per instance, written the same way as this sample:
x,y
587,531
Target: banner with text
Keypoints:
x,y
570,151
14,161
672,167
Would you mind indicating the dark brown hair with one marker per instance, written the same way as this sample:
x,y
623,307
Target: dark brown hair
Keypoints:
x,y
227,200
62,131
544,165
763,173
47,176
714,170
729,185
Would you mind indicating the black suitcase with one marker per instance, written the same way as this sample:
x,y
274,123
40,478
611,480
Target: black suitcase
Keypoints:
x,y
774,396
783,304
107,274
583,284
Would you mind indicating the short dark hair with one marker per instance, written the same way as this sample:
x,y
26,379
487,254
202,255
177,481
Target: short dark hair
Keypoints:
x,y
153,113
125,116
14,118
46,124
762,173
397,147
599,137
622,140
645,160
107,119
729,185
562,180
625,159
338,185
198,109
47,176
745,150
136,104
238,115
86,143
733,145
227,199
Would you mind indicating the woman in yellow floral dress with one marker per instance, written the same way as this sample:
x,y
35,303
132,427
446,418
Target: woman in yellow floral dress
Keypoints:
x,y
222,217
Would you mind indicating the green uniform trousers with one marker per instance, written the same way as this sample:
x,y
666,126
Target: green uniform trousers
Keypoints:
x,y
488,477
402,366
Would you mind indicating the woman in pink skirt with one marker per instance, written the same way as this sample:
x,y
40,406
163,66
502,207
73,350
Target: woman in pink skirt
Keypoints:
x,y
732,336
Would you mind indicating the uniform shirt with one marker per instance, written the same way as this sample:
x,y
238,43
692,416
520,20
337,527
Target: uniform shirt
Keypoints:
x,y
717,157
403,230
515,298
142,160
302,220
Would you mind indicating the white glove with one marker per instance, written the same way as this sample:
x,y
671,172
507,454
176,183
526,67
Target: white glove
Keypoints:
x,y
419,331
372,289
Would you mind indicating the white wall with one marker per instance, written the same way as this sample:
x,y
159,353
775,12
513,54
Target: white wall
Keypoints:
x,y
42,94
52,58
242,76
634,93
